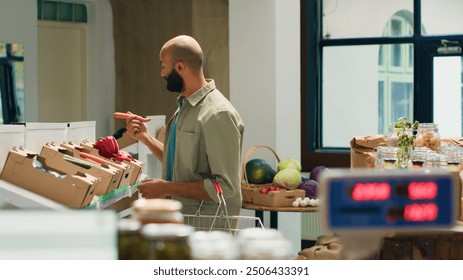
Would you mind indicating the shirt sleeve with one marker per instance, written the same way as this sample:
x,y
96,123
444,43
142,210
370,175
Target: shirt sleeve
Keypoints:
x,y
223,136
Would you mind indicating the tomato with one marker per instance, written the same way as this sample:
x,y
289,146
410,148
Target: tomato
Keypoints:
x,y
263,191
273,188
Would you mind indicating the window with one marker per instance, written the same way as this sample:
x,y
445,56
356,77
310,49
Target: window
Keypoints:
x,y
11,83
61,11
366,63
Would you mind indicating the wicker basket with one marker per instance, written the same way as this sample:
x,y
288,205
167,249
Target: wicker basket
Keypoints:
x,y
246,187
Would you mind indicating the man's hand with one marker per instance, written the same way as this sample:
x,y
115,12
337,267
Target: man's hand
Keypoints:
x,y
136,128
153,188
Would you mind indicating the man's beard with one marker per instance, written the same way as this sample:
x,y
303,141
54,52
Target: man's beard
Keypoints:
x,y
174,82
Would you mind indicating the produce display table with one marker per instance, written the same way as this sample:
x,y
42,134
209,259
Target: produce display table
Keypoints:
x,y
274,211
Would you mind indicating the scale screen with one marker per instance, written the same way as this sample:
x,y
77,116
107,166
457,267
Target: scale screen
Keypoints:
x,y
388,200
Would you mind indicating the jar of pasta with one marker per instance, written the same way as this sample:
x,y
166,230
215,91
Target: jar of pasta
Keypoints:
x,y
428,136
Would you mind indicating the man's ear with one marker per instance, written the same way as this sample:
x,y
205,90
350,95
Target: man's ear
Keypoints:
x,y
179,66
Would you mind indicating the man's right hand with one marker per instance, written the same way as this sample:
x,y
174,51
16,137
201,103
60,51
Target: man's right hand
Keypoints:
x,y
136,128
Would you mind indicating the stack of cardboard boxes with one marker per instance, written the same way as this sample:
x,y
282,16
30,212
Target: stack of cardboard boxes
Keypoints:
x,y
58,171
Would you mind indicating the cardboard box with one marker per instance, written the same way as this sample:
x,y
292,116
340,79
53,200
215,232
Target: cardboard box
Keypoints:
x,y
109,176
73,190
135,165
125,169
281,198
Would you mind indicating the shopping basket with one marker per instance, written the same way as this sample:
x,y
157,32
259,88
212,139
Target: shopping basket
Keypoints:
x,y
221,220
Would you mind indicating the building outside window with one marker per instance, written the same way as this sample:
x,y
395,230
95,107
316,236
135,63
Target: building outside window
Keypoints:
x,y
367,63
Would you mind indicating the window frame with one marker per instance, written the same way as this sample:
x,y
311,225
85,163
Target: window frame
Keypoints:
x,y
425,49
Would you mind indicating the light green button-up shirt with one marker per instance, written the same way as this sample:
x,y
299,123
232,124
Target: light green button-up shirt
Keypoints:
x,y
209,142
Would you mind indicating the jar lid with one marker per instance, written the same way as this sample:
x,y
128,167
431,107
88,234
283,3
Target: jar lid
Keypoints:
x,y
157,204
258,233
127,225
166,231
428,126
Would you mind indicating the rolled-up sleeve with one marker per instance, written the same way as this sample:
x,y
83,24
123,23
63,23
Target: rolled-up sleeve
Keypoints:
x,y
223,134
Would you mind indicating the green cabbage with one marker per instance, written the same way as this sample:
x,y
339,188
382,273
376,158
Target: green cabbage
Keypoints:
x,y
289,163
288,178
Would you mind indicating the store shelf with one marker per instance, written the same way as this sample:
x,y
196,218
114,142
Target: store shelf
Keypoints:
x,y
104,201
12,196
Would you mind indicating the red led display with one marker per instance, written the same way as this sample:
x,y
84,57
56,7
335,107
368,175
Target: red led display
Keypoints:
x,y
422,190
426,212
371,191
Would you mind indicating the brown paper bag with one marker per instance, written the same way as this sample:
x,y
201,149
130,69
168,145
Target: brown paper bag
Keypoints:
x,y
362,150
452,142
325,248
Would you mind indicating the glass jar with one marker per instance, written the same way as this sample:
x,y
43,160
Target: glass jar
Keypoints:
x,y
260,244
453,156
128,239
419,157
432,160
165,242
387,158
379,155
428,136
213,245
392,137
158,211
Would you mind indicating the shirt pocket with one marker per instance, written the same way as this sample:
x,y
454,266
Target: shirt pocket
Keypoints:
x,y
187,152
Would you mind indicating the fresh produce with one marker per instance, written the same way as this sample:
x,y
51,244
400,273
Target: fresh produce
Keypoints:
x,y
269,189
93,158
263,191
82,163
316,171
299,202
259,171
289,163
109,148
288,178
310,187
120,115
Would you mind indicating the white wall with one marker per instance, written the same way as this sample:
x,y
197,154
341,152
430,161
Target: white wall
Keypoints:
x,y
101,66
18,24
265,83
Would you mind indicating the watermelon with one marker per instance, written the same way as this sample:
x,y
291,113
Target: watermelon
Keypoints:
x,y
259,171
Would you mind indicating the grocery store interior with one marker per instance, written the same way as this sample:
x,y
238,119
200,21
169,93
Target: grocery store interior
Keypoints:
x,y
345,88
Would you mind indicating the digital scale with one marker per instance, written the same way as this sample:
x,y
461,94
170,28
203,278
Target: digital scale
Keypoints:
x,y
362,205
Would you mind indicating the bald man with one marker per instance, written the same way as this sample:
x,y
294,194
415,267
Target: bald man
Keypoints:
x,y
203,138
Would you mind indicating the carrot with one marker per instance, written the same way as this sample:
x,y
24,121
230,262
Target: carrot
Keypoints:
x,y
120,115
92,158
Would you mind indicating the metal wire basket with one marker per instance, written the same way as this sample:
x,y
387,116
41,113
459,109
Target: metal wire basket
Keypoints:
x,y
231,224
221,220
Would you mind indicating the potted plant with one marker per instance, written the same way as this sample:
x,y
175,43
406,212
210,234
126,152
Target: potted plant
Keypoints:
x,y
405,131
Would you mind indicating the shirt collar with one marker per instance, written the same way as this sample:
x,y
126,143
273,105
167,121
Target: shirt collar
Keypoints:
x,y
198,95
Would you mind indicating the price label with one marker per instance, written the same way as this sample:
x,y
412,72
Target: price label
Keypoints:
x,y
372,199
